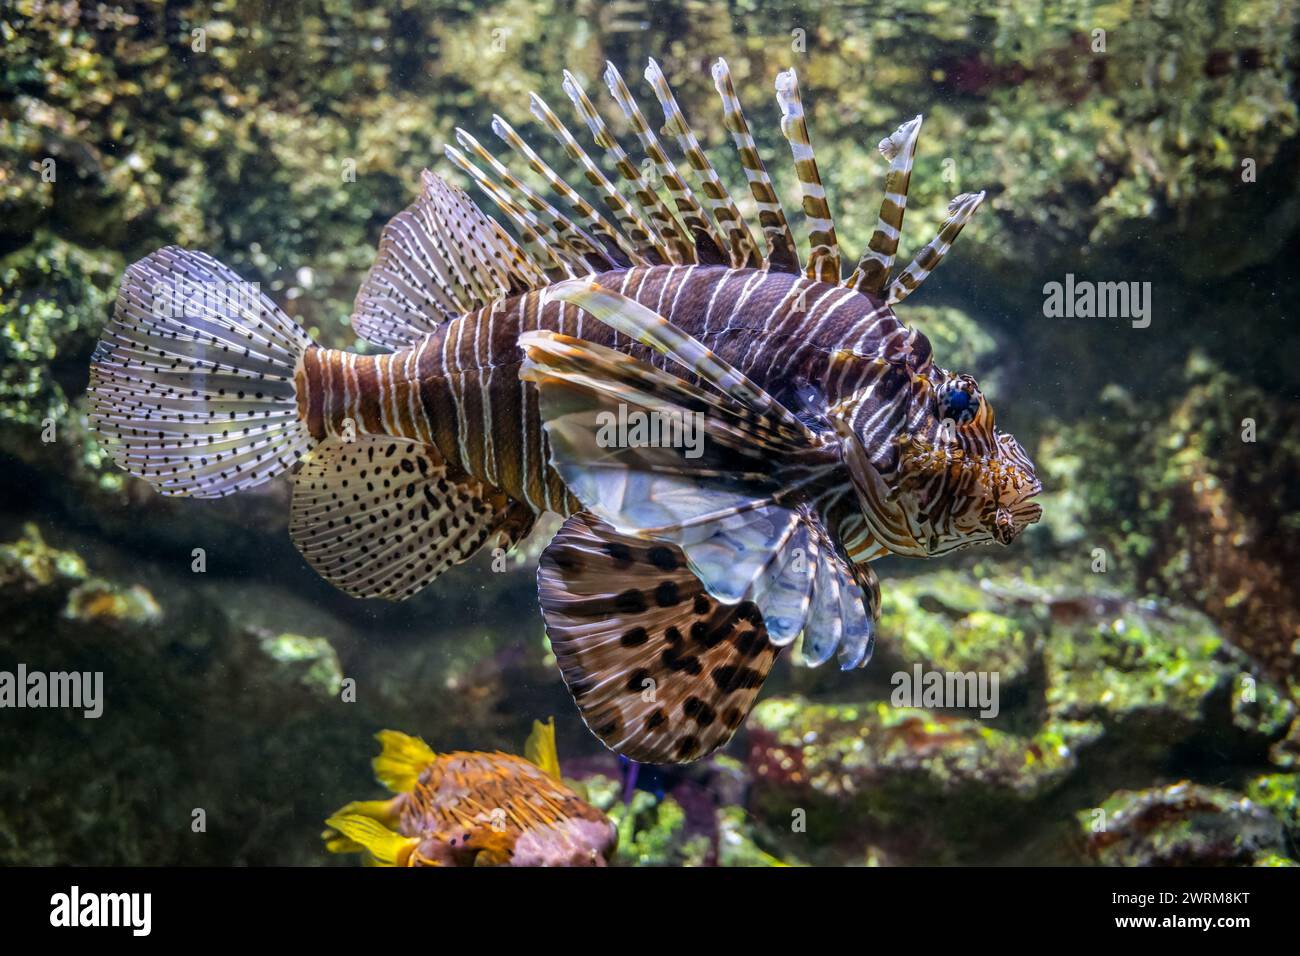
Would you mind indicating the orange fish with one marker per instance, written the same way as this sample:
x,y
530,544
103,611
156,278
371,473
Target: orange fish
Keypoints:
x,y
472,809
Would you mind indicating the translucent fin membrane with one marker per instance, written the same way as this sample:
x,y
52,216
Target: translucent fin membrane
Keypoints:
x,y
192,383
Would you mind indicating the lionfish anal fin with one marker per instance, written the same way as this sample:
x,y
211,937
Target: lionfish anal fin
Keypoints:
x,y
379,516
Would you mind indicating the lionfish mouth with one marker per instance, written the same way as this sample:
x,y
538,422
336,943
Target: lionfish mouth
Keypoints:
x,y
964,495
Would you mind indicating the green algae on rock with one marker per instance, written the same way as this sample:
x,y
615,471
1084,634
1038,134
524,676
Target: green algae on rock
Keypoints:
x,y
1182,824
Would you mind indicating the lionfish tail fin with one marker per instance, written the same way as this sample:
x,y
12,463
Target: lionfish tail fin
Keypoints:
x,y
193,381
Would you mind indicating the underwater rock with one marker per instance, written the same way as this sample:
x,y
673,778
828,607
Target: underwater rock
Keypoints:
x,y
99,602
1183,824
1190,506
310,662
911,781
947,622
29,565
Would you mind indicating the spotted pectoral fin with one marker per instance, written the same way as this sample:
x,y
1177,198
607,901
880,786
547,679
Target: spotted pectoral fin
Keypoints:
x,y
733,509
382,517
661,671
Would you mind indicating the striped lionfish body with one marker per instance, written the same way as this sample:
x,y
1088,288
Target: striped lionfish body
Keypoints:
x,y
732,436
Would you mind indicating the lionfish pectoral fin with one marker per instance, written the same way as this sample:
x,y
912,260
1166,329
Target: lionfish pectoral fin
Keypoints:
x,y
661,671
438,259
677,532
378,516
540,750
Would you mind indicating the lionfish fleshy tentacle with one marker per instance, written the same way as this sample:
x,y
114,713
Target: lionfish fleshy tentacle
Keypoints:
x,y
740,243
669,229
591,219
538,239
648,244
824,258
782,254
582,245
872,273
692,213
959,212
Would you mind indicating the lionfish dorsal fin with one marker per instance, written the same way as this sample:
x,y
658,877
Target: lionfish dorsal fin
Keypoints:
x,y
740,245
669,230
872,273
438,259
959,212
824,258
693,215
782,255
647,243
592,221
538,239
572,238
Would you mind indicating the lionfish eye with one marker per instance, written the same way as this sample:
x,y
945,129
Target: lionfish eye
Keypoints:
x,y
959,401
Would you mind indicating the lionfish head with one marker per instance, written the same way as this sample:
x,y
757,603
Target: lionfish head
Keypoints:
x,y
956,480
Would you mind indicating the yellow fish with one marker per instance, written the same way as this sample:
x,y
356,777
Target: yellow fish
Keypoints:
x,y
469,808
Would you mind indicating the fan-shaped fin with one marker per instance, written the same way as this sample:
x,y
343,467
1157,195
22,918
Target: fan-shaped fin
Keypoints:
x,y
661,671
382,517
192,383
438,259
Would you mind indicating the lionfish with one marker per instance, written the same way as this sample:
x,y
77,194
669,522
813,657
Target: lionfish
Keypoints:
x,y
472,809
830,436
